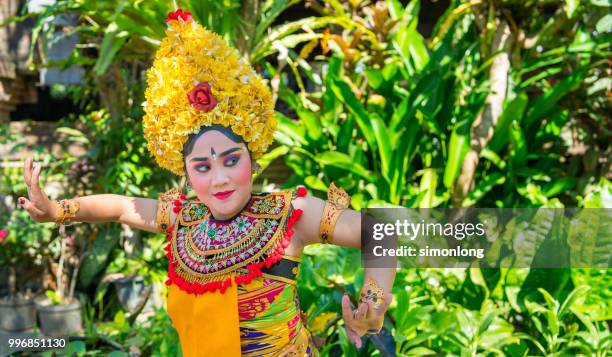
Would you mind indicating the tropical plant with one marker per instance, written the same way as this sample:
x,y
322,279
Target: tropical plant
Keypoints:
x,y
22,242
472,115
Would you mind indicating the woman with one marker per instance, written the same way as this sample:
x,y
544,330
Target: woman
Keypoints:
x,y
233,255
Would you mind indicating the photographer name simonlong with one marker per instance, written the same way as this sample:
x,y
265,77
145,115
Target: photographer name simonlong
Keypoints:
x,y
404,251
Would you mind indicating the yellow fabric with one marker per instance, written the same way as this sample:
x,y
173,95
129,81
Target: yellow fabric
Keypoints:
x,y
207,324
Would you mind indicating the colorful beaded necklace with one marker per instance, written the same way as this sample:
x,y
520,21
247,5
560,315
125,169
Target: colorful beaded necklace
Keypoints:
x,y
204,254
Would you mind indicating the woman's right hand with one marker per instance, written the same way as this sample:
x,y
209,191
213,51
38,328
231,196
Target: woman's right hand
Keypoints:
x,y
39,206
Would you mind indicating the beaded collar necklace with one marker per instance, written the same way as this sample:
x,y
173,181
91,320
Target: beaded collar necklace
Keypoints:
x,y
206,254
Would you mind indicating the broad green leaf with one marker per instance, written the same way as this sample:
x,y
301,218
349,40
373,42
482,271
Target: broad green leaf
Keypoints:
x,y
272,155
482,187
429,184
547,101
291,129
346,96
570,7
571,299
512,111
375,78
558,186
518,145
343,161
74,134
589,237
602,3
111,44
274,9
384,144
458,147
604,24
526,242
315,183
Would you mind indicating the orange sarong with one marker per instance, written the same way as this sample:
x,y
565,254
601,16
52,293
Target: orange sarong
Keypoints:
x,y
207,324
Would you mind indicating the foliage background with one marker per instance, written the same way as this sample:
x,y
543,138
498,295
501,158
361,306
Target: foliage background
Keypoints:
x,y
506,104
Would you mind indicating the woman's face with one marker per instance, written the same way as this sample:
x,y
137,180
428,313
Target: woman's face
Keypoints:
x,y
220,173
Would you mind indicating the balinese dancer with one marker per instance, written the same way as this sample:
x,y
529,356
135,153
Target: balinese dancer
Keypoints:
x,y
233,255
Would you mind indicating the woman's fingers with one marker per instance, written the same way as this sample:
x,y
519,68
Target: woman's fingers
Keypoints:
x,y
347,313
37,204
36,193
34,212
35,175
361,312
27,171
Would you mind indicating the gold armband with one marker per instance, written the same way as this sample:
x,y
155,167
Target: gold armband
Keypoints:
x,y
66,210
162,218
337,201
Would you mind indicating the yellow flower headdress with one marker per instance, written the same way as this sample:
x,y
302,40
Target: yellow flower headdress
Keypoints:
x,y
198,80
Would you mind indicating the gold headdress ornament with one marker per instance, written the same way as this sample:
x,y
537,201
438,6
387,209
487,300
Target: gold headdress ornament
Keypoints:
x,y
198,80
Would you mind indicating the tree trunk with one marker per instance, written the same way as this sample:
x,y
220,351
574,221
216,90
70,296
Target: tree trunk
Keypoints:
x,y
249,14
483,127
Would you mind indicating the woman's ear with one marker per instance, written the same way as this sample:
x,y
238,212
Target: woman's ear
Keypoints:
x,y
256,167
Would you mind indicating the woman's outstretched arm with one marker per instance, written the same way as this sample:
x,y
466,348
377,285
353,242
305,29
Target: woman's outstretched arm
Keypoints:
x,y
134,211
369,315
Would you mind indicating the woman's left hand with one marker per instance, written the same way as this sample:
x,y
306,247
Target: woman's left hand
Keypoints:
x,y
367,318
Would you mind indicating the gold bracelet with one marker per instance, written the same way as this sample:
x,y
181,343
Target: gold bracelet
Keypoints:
x,y
337,201
162,218
372,292
66,210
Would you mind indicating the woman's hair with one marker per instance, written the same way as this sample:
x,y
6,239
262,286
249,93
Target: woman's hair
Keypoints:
x,y
188,147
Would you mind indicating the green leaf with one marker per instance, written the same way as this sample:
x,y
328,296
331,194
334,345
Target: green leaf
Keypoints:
x,y
291,129
273,11
429,184
375,77
602,3
75,348
571,299
559,186
604,24
513,110
408,42
384,144
526,242
518,146
570,7
547,102
588,236
111,44
346,96
315,183
343,161
483,186
458,147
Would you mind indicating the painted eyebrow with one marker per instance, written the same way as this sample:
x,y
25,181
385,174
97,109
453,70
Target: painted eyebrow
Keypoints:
x,y
225,153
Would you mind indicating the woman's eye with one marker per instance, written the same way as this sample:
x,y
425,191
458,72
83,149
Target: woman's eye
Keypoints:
x,y
202,168
231,161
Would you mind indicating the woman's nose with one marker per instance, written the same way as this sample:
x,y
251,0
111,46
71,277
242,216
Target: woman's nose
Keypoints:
x,y
219,177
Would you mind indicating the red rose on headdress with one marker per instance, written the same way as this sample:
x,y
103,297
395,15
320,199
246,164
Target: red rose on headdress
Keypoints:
x,y
179,14
201,98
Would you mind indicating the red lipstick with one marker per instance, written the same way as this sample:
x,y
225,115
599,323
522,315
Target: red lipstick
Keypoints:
x,y
223,195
